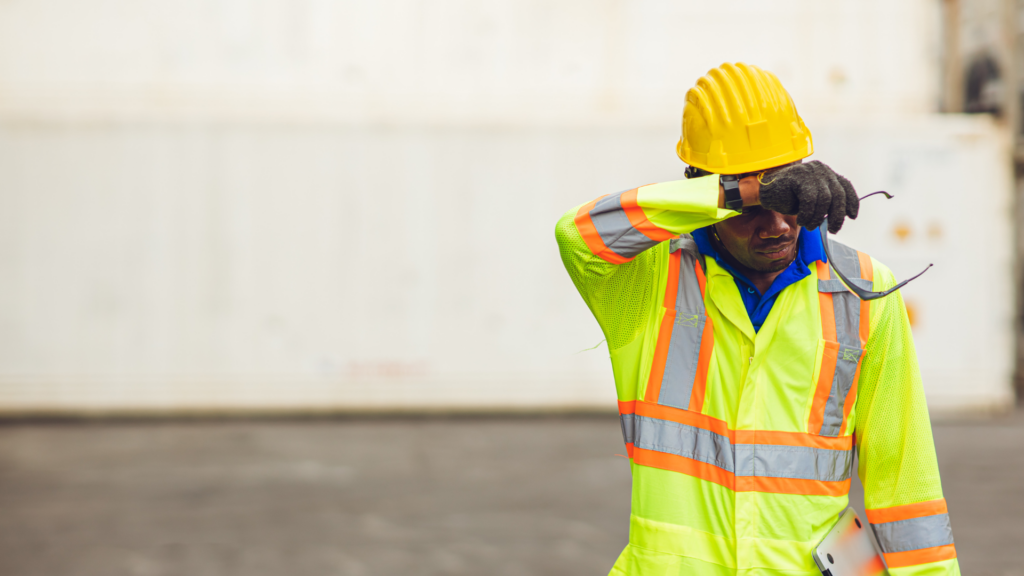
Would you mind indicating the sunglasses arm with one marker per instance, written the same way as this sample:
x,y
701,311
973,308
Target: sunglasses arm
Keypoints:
x,y
860,292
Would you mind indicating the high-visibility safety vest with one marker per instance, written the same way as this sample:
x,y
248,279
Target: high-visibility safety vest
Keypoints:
x,y
742,444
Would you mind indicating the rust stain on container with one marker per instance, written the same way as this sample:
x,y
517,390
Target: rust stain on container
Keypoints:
x,y
912,312
901,230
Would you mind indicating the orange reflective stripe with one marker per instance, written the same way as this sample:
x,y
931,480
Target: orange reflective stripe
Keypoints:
x,y
828,315
867,270
820,267
707,344
922,556
700,382
792,486
668,319
702,280
629,449
906,512
588,232
672,284
586,228
688,417
638,218
675,463
829,358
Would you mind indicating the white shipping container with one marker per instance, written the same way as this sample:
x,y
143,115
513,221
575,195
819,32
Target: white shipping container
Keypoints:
x,y
218,267
319,205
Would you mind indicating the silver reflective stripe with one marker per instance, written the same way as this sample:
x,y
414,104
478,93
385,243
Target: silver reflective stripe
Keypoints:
x,y
914,534
688,296
681,361
801,462
842,381
628,422
764,460
845,258
686,243
684,343
846,307
846,303
615,229
682,440
836,285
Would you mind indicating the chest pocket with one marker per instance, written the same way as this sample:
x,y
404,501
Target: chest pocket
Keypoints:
x,y
682,355
845,323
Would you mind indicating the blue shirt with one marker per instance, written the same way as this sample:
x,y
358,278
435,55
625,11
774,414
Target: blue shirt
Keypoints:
x,y
758,305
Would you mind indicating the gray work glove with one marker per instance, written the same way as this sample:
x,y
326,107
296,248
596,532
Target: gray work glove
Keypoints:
x,y
811,191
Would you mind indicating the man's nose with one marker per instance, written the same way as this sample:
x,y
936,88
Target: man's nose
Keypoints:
x,y
773,225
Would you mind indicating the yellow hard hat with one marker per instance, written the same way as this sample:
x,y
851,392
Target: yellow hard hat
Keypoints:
x,y
739,118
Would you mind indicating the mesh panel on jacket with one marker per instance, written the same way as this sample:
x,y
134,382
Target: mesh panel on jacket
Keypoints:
x,y
618,295
892,418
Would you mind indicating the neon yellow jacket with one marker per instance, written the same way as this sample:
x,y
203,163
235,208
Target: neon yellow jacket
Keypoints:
x,y
741,444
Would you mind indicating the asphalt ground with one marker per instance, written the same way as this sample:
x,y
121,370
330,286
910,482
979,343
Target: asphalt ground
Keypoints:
x,y
387,496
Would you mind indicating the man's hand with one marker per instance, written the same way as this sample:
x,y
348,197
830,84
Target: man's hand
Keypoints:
x,y
811,191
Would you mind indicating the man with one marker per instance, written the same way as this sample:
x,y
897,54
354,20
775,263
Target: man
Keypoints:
x,y
747,372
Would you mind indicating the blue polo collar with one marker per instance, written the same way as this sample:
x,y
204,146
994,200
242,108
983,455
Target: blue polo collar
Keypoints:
x,y
809,250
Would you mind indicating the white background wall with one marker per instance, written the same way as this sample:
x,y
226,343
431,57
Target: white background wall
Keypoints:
x,y
314,204
472,62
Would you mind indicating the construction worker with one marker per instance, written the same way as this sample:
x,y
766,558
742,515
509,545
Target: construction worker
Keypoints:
x,y
748,374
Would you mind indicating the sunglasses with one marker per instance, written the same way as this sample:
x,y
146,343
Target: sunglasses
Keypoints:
x,y
860,292
694,172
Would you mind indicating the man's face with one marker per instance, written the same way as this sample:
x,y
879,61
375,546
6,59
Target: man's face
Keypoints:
x,y
759,239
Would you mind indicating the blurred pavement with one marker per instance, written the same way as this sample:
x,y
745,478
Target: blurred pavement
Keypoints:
x,y
386,496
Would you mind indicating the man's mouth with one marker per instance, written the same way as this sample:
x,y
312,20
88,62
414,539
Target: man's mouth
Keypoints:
x,y
776,252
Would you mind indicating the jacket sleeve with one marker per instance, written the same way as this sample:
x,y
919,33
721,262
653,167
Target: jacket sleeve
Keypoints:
x,y
617,227
605,244
898,466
